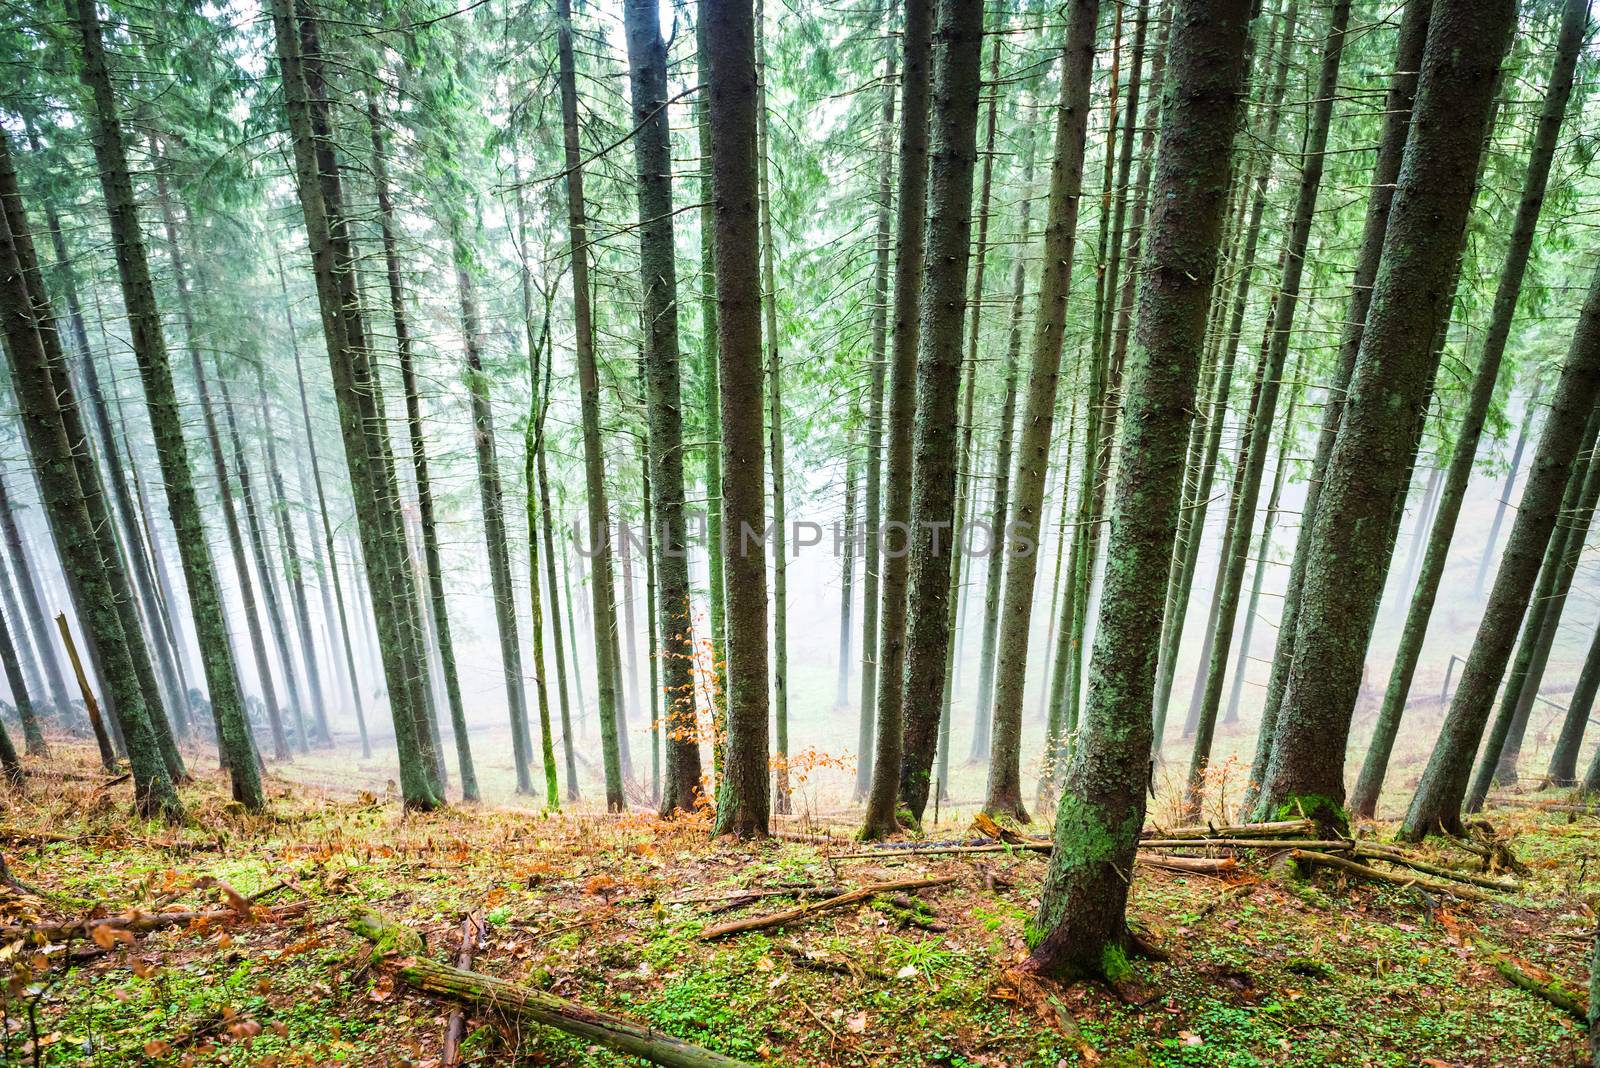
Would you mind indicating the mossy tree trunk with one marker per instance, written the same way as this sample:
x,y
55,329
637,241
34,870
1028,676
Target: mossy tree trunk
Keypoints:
x,y
1081,928
1369,467
35,349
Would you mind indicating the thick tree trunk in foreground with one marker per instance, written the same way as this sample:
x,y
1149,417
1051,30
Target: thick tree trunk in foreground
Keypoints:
x,y
674,642
1003,796
1453,491
1371,460
953,158
1437,804
1391,150
743,802
1081,926
35,350
594,464
895,552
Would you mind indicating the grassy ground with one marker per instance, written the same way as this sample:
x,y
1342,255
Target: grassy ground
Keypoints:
x,y
1265,968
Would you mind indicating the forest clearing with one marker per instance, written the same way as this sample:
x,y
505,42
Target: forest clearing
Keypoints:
x,y
812,532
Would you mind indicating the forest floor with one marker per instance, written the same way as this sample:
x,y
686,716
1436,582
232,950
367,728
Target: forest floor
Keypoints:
x,y
1265,968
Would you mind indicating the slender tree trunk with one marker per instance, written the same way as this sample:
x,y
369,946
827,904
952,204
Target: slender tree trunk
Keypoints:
x,y
1504,501
872,562
1563,767
711,403
332,563
363,424
911,249
494,521
554,586
33,609
1391,148
847,569
1247,480
293,568
1370,464
1003,796
1499,762
28,684
1192,522
1453,491
1081,924
1570,428
437,610
731,112
35,349
10,763
957,84
674,642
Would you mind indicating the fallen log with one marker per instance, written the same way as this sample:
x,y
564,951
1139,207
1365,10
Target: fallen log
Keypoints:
x,y
1274,829
571,1017
1366,871
1192,865
1337,844
1538,982
140,922
472,932
777,919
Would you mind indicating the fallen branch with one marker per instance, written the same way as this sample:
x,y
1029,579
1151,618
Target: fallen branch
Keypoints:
x,y
1395,856
471,935
777,919
1538,982
1366,871
1274,829
1193,865
571,1017
139,922
1325,844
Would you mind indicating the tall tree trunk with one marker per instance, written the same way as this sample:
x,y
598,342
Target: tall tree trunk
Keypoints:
x,y
1247,480
1003,796
1370,464
847,569
1499,762
28,685
1391,149
957,83
553,584
494,519
33,610
363,424
743,803
774,385
1437,804
711,404
264,571
1000,505
10,763
589,393
674,642
293,568
1192,521
1081,924
872,560
331,565
1453,491
1564,757
910,254
35,354
437,609
1504,500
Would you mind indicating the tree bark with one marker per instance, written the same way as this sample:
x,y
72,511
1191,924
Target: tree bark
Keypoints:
x,y
743,802
957,83
1081,928
1437,804
1003,796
